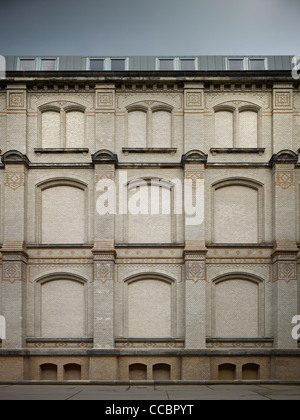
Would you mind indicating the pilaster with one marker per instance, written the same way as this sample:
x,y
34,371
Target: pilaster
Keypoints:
x,y
195,250
14,256
193,115
16,117
285,248
282,116
104,252
105,116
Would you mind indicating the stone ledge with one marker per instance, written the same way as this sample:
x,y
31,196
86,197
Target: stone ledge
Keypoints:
x,y
242,343
149,150
257,150
60,150
149,245
239,245
59,343
149,343
151,352
58,246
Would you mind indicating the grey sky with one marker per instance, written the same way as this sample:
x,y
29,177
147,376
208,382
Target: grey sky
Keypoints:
x,y
149,27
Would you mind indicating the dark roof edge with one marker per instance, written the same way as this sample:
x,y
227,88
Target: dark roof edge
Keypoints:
x,y
142,75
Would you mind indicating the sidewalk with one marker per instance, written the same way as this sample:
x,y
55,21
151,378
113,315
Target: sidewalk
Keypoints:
x,y
150,392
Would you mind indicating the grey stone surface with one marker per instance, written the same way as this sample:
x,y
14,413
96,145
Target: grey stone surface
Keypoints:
x,y
150,392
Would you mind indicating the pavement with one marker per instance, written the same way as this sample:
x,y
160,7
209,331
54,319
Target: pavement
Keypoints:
x,y
152,392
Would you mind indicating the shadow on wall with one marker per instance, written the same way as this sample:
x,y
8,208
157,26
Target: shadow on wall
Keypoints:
x,y
227,371
71,372
139,372
160,372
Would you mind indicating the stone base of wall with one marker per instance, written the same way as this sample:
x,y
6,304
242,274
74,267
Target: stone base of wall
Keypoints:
x,y
158,365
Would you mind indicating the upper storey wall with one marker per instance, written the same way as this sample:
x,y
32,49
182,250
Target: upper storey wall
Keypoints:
x,y
163,118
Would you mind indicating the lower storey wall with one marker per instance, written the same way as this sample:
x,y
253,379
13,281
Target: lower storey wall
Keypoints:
x,y
149,367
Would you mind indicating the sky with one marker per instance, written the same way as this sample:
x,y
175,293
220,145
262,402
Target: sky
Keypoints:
x,y
149,27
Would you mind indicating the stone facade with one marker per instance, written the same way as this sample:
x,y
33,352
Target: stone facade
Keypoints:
x,y
149,296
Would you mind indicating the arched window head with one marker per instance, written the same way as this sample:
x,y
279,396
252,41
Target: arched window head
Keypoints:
x,y
237,125
149,125
62,126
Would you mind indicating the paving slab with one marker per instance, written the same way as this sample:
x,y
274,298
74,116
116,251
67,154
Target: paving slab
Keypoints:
x,y
152,392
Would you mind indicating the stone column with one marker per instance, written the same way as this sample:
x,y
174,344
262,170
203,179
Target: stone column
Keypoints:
x,y
285,248
14,256
104,252
195,251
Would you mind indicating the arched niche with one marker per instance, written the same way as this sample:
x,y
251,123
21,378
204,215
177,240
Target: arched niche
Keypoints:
x,y
161,372
238,306
137,372
61,308
237,211
72,372
226,372
61,211
250,371
150,306
150,212
48,372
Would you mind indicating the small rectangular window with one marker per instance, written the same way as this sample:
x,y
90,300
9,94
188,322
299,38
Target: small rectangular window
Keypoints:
x,y
48,64
187,64
235,64
257,64
27,64
96,64
118,64
166,64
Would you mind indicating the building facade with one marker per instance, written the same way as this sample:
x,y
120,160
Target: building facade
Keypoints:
x,y
193,271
